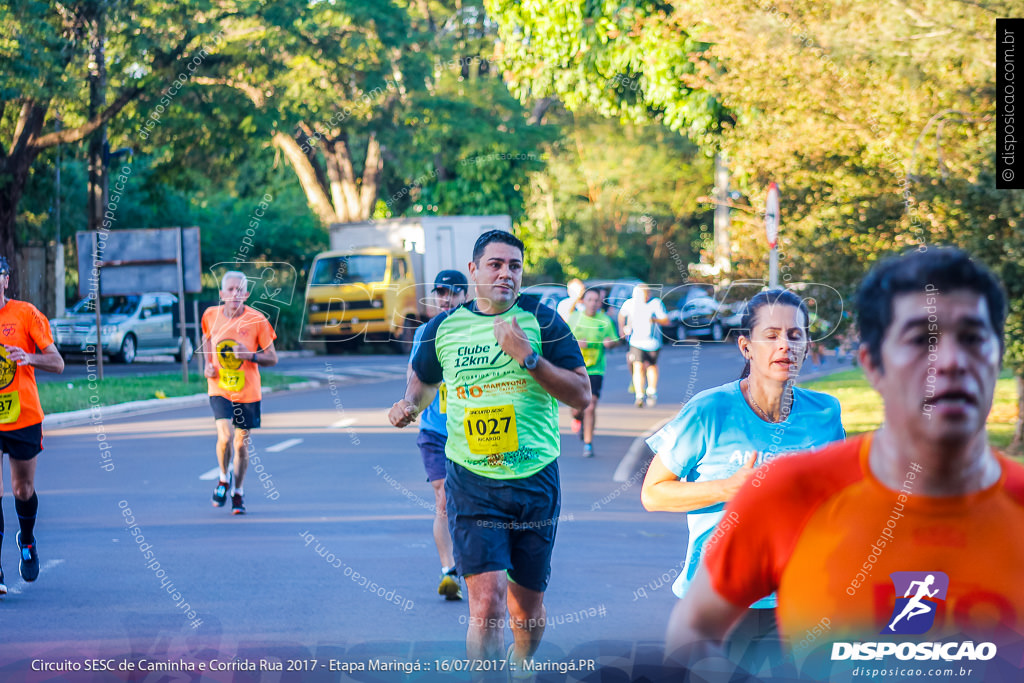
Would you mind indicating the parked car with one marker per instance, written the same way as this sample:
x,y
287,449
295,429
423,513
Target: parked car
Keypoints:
x,y
705,317
549,295
132,326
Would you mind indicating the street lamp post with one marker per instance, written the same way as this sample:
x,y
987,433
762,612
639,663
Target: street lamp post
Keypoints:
x,y
771,228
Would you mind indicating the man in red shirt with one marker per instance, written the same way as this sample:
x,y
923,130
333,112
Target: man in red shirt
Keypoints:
x,y
237,341
844,534
26,344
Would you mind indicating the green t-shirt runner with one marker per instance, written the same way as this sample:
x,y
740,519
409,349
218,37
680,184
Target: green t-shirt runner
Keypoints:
x,y
501,423
593,330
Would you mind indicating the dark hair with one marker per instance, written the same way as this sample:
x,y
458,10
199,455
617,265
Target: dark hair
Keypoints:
x,y
944,269
771,297
502,236
5,267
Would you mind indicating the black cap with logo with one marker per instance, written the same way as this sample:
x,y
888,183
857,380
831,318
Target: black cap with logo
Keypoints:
x,y
451,279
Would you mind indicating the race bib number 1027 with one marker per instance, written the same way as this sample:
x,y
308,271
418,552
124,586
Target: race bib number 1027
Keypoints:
x,y
491,430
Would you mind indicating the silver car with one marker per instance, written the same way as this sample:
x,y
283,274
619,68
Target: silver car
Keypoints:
x,y
131,326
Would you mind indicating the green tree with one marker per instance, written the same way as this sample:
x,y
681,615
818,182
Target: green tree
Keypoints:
x,y
45,66
617,200
875,119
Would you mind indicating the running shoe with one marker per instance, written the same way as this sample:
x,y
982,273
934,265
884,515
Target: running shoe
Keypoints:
x,y
639,401
450,586
517,671
652,399
577,426
588,450
29,560
3,586
220,494
237,507
631,389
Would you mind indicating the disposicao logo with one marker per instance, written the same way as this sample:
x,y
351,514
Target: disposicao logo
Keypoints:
x,y
914,613
918,595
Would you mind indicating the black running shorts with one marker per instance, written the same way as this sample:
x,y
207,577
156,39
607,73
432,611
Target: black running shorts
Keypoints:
x,y
242,415
504,524
24,443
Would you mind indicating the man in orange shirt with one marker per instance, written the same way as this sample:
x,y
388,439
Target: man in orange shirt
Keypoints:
x,y
25,344
237,340
845,534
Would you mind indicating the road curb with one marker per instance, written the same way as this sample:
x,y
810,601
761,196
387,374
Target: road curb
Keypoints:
x,y
630,463
150,405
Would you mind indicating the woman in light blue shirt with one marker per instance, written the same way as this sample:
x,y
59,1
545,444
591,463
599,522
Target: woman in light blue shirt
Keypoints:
x,y
721,435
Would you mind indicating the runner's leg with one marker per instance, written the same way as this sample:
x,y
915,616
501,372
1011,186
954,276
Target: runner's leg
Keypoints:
x,y
589,418
223,446
442,537
652,378
241,442
485,638
23,479
638,380
527,619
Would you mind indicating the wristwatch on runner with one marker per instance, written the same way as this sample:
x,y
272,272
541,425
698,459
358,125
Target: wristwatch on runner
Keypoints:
x,y
530,362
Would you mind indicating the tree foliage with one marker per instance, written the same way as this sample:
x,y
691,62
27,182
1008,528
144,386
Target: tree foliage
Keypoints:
x,y
875,119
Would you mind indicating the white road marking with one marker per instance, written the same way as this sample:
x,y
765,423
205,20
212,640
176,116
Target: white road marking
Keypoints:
x,y
344,422
211,475
45,566
278,447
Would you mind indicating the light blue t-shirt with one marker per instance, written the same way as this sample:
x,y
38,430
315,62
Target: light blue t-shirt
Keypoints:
x,y
432,418
716,432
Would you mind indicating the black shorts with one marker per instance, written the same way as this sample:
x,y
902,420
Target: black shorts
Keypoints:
x,y
635,355
24,443
596,382
504,524
431,446
242,415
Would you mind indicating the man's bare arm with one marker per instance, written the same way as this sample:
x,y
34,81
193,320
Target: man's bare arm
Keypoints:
x,y
49,359
699,622
418,396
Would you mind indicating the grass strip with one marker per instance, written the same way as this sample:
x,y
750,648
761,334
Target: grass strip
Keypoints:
x,y
62,397
862,405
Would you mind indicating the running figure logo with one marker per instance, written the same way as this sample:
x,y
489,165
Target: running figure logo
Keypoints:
x,y
914,613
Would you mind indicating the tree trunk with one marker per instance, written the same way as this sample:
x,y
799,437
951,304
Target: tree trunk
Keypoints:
x,y
342,173
371,178
315,194
97,186
338,197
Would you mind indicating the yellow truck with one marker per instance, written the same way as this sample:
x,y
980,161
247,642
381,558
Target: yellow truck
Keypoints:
x,y
374,283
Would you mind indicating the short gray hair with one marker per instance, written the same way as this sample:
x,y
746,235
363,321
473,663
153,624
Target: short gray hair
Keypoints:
x,y
234,274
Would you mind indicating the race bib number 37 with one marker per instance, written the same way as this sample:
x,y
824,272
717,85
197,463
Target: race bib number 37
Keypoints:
x,y
10,407
491,430
232,380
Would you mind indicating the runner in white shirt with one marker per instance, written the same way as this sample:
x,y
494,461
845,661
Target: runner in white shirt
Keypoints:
x,y
566,306
639,318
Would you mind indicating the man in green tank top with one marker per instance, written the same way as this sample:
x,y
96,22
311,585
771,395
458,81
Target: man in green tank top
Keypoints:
x,y
504,360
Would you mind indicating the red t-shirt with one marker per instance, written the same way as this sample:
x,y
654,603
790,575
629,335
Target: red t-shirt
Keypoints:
x,y
823,532
22,325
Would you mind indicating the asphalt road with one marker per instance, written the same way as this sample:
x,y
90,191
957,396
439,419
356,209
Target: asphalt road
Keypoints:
x,y
343,496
